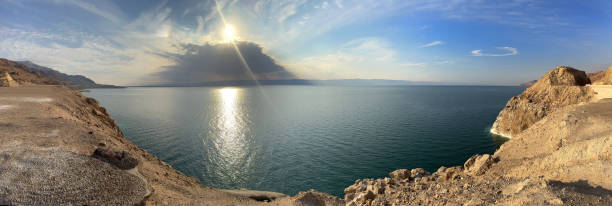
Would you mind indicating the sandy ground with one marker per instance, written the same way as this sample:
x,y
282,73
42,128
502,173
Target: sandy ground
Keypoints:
x,y
38,119
602,91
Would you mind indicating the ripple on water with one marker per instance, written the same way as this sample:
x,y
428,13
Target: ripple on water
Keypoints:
x,y
304,137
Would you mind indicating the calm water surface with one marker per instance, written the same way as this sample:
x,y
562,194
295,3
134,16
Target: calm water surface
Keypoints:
x,y
293,138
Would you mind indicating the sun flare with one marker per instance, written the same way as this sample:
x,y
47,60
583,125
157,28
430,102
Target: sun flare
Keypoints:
x,y
229,33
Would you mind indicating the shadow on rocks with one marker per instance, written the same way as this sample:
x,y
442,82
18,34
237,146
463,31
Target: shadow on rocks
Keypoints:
x,y
581,186
119,159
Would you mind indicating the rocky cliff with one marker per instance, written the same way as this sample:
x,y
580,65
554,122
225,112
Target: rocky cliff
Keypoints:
x,y
560,87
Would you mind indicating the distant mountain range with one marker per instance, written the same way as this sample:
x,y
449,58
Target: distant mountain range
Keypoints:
x,y
74,81
529,83
334,82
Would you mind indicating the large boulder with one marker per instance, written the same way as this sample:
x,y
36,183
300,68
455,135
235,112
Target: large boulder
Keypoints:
x,y
558,88
478,164
119,159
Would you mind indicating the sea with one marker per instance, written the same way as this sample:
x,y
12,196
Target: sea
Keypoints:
x,y
295,138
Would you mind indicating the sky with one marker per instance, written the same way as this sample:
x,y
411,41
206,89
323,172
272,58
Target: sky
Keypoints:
x,y
139,42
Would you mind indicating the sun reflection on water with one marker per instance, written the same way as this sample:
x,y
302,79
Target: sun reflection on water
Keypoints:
x,y
230,157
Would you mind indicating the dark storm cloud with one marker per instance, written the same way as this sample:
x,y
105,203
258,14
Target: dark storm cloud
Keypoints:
x,y
220,62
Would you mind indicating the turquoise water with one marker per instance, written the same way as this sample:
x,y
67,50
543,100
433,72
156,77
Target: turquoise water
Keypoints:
x,y
293,138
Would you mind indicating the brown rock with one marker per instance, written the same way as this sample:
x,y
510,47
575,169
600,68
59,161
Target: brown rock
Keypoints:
x,y
418,173
7,81
478,164
444,173
400,174
120,159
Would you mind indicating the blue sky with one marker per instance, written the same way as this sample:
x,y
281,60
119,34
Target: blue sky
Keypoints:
x,y
460,41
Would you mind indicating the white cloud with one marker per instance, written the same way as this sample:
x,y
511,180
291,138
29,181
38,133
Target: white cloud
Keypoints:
x,y
510,52
277,25
324,5
419,64
434,43
360,58
339,4
103,9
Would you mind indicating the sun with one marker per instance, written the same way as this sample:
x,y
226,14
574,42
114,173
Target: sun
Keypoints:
x,y
229,33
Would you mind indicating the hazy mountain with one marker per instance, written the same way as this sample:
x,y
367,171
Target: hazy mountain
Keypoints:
x,y
75,81
529,83
334,82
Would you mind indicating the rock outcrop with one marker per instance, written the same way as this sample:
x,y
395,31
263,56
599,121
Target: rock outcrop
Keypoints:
x,y
560,87
7,81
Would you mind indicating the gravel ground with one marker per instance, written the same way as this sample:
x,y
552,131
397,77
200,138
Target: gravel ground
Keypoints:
x,y
54,176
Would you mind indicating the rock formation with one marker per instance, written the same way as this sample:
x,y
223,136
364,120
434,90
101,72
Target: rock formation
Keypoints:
x,y
560,87
7,81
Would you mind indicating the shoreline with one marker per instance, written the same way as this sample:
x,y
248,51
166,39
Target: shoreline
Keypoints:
x,y
494,132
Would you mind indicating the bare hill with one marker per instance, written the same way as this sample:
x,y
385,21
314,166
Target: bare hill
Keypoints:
x,y
15,74
74,81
